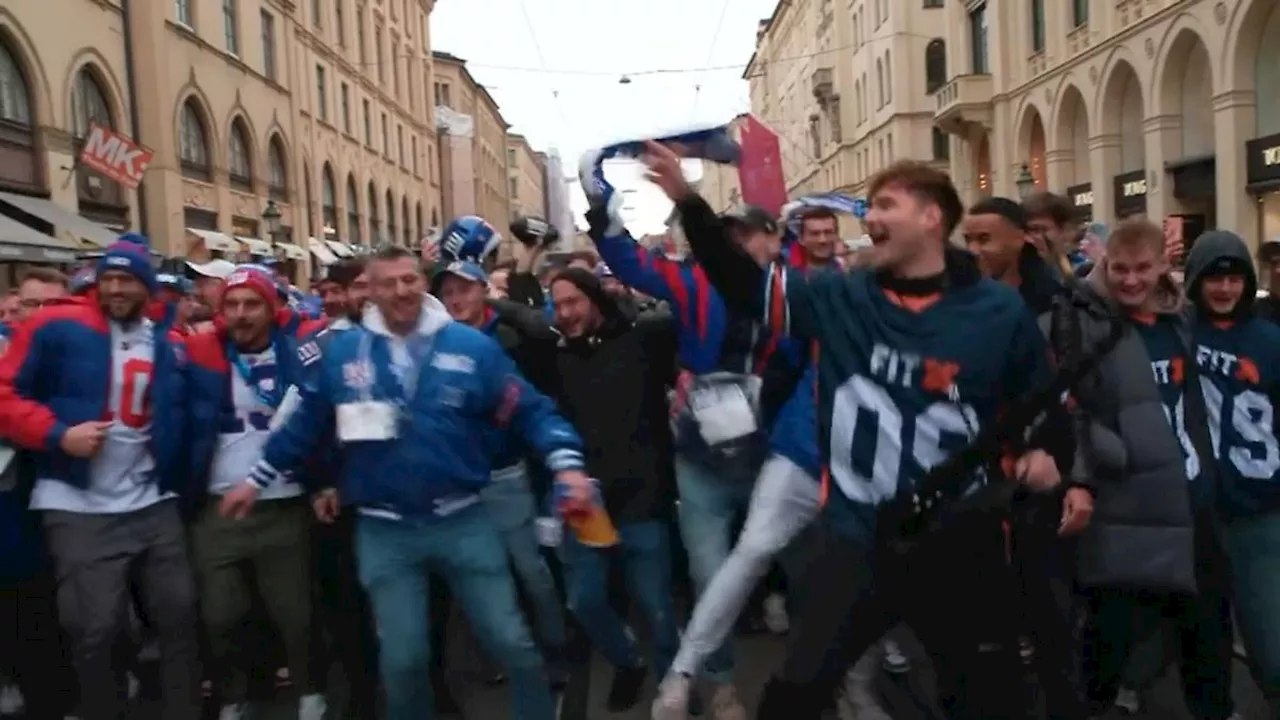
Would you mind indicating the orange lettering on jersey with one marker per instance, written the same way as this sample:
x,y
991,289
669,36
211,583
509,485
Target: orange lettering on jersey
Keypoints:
x,y
1176,370
1247,371
939,375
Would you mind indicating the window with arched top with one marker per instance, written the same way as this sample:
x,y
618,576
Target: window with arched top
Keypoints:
x,y
935,64
239,157
99,196
888,77
391,218
354,231
375,225
193,143
328,200
407,228
311,215
18,159
278,171
435,218
417,220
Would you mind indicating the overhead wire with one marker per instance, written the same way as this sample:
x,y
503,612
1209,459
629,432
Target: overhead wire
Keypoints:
x,y
711,51
542,61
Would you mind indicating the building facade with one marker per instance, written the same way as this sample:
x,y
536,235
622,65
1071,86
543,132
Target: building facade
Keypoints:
x,y
846,86
320,108
526,178
1154,107
559,208
475,138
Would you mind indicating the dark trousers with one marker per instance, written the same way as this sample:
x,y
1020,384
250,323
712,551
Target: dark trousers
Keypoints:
x,y
32,649
94,558
956,593
345,617
1202,626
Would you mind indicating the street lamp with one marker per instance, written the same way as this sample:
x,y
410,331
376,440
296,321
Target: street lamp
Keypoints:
x,y
271,217
1025,181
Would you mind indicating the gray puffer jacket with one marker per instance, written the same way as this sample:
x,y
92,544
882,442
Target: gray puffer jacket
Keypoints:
x,y
1141,534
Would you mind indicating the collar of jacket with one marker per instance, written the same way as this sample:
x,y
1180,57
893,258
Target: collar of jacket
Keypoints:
x,y
1168,296
433,317
612,327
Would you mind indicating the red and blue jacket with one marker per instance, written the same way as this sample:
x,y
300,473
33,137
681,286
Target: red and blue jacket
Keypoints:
x,y
56,374
209,396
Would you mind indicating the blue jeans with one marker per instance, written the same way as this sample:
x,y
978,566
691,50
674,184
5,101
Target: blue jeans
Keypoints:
x,y
646,555
511,506
1254,548
467,551
709,508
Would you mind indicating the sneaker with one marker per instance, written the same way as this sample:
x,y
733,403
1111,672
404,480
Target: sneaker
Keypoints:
x,y
11,700
725,704
311,707
672,702
235,711
895,661
775,614
135,687
1128,701
1026,650
282,679
624,692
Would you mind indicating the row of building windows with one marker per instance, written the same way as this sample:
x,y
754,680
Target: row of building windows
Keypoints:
x,y
377,211
408,161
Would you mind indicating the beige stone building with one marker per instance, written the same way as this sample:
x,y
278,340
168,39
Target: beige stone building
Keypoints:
x,y
1156,107
474,136
526,178
320,107
846,87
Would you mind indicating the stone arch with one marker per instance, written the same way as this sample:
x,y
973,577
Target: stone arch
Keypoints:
x,y
275,140
1122,109
23,49
1071,131
238,113
1184,86
1245,33
91,61
1105,102
1032,141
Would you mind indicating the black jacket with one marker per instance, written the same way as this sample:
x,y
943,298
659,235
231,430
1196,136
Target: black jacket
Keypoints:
x,y
613,388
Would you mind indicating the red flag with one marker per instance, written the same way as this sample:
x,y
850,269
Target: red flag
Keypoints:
x,y
760,170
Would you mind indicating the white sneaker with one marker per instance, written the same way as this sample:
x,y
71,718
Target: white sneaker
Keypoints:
x,y
775,614
235,711
1128,701
311,707
672,702
134,686
11,700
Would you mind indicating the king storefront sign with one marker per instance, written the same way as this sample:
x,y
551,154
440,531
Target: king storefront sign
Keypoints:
x,y
115,156
1263,160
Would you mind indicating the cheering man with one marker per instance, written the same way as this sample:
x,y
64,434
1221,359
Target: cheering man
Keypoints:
x,y
901,386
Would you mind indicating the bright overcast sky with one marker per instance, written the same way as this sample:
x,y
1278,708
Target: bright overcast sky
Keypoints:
x,y
556,75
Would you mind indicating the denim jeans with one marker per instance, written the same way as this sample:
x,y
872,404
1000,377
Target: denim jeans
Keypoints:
x,y
1254,548
511,505
709,507
467,551
784,501
645,551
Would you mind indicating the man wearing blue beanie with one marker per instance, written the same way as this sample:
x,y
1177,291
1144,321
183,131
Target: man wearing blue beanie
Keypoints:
x,y
93,389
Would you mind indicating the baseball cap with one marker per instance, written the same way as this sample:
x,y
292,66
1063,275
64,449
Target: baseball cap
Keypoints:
x,y
750,217
463,269
216,268
171,281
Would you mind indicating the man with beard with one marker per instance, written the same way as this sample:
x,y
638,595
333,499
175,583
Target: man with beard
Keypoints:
x,y
209,279
344,290
900,384
238,376
107,488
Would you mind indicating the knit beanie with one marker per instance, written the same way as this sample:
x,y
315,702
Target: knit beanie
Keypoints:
x,y
256,278
129,253
586,282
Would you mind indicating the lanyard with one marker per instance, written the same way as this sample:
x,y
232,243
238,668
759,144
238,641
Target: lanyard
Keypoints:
x,y
420,349
271,399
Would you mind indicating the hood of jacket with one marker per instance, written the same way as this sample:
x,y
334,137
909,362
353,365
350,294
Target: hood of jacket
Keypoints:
x,y
1168,297
434,316
1216,246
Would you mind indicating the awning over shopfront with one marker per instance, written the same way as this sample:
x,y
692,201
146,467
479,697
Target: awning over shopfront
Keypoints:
x,y
291,251
62,222
214,240
19,243
321,251
255,246
340,249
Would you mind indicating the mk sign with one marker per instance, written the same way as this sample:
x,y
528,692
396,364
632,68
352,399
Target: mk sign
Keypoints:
x,y
115,156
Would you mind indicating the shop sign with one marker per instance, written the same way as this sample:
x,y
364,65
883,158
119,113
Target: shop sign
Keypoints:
x,y
1081,195
1263,158
1131,190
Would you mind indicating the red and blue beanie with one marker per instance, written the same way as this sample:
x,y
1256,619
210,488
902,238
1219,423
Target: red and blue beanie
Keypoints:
x,y
256,278
130,253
